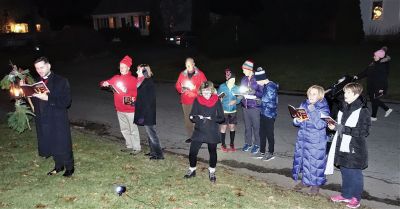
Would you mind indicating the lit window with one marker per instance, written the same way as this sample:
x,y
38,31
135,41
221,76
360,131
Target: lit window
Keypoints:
x,y
19,28
111,22
38,28
377,10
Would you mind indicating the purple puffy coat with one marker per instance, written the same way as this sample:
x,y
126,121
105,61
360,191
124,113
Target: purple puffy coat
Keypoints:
x,y
310,152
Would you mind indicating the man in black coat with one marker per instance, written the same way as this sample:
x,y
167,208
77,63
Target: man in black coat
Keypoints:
x,y
52,123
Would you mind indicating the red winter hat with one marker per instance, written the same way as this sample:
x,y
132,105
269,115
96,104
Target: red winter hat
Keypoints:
x,y
127,61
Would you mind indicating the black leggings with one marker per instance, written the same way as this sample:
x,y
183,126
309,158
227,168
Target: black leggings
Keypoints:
x,y
267,131
375,103
194,150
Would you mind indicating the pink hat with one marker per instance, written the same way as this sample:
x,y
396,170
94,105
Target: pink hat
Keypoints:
x,y
127,61
380,53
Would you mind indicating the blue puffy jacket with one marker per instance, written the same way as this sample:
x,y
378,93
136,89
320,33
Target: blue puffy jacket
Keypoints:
x,y
229,96
269,100
310,151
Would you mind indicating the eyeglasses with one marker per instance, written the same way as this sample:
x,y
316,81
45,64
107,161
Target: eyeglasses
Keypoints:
x,y
143,65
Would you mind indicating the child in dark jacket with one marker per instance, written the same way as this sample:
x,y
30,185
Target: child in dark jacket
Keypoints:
x,y
206,113
268,113
349,150
309,159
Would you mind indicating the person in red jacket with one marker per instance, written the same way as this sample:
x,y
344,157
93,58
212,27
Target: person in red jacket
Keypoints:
x,y
187,85
125,91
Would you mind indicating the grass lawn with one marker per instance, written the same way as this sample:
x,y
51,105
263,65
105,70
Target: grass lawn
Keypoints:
x,y
100,166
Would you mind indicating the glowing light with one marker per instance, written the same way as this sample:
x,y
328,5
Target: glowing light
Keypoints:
x,y
243,89
188,84
120,190
121,86
16,92
38,27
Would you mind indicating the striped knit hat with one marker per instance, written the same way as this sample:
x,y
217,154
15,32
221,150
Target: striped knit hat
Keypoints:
x,y
260,74
248,65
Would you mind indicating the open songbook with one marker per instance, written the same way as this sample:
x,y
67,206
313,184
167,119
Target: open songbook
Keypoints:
x,y
30,89
298,112
328,119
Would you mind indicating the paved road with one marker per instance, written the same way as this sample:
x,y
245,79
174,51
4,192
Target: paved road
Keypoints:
x,y
382,177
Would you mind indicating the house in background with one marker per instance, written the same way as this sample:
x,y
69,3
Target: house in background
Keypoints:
x,y
114,14
380,17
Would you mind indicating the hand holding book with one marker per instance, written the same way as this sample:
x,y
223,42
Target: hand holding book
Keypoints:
x,y
298,113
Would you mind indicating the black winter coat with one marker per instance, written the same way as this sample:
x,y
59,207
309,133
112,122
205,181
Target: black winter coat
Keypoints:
x,y
358,156
52,123
145,105
377,74
207,131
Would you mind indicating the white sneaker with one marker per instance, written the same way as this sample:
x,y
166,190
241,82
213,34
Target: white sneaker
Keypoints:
x,y
374,119
387,113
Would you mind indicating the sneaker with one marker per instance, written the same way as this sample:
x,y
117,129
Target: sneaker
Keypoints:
x,y
339,198
268,157
387,113
126,150
223,148
135,152
255,149
246,147
259,155
190,174
232,149
374,119
212,177
314,190
354,203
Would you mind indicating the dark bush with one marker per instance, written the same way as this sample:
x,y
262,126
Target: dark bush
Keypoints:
x,y
229,37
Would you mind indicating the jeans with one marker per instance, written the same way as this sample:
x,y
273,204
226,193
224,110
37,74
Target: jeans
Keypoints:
x,y
154,141
352,183
251,118
194,151
267,131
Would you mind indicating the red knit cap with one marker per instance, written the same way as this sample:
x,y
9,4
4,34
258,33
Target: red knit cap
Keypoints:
x,y
127,61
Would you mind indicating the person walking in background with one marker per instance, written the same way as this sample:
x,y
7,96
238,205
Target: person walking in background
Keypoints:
x,y
227,93
125,92
188,85
309,158
145,109
269,105
51,119
207,114
377,74
251,92
349,148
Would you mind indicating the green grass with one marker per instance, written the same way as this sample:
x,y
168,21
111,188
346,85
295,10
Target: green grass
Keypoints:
x,y
150,184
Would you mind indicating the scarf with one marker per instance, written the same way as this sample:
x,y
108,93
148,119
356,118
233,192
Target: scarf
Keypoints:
x,y
346,139
208,102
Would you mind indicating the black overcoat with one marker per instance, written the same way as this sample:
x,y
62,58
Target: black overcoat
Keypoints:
x,y
52,123
145,105
207,131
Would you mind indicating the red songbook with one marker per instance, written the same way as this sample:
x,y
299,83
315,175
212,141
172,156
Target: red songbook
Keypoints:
x,y
328,119
30,89
298,112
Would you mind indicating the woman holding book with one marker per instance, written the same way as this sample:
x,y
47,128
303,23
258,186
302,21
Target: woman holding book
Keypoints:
x,y
310,151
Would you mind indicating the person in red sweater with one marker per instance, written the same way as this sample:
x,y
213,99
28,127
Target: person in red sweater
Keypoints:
x,y
187,85
125,91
